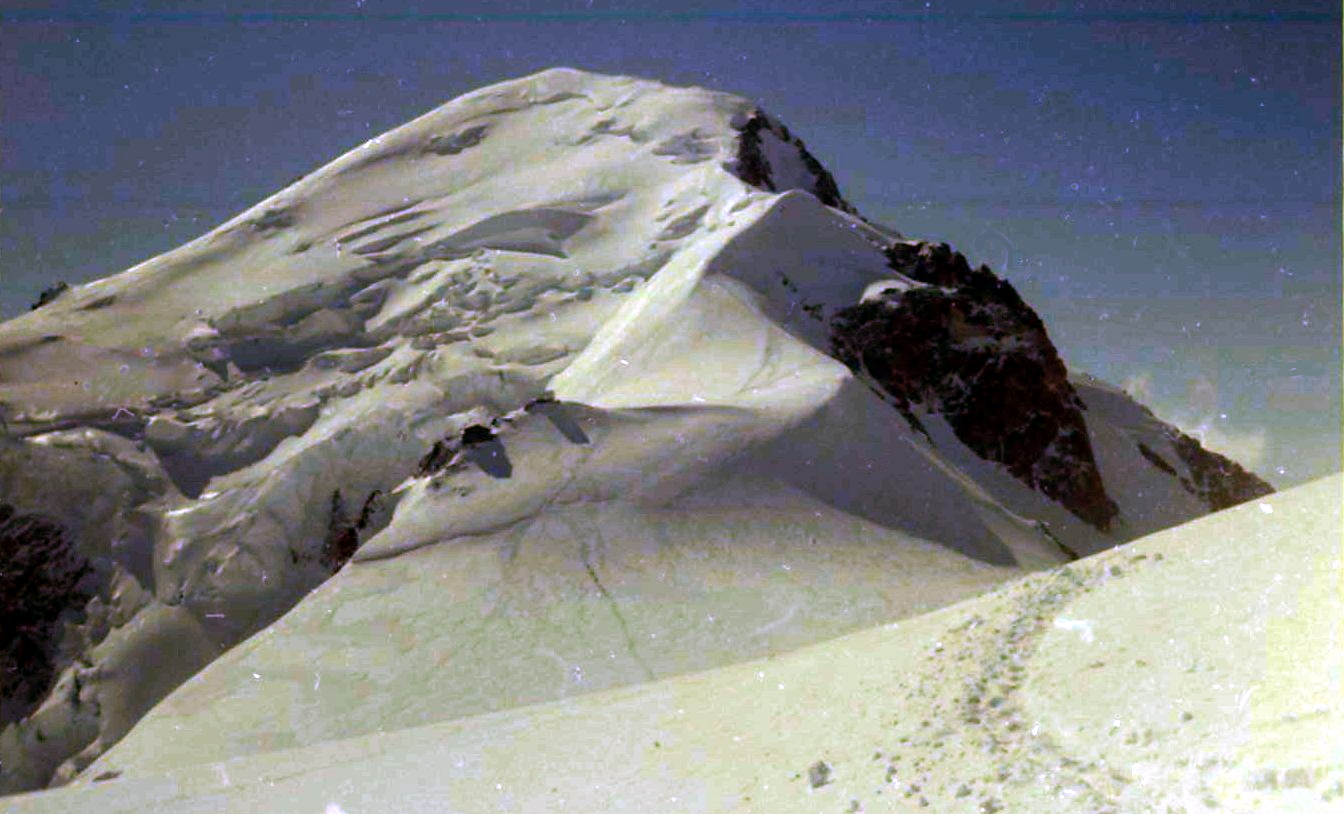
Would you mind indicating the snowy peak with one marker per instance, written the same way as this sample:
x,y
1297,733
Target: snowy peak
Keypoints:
x,y
611,173
567,342
769,157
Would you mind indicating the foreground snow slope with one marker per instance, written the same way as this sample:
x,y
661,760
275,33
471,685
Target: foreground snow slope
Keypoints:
x,y
1197,669
559,360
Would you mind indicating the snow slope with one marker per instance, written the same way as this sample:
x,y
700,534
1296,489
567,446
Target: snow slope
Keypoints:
x,y
1048,694
557,359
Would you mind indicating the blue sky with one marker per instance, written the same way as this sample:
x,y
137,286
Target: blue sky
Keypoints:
x,y
1160,181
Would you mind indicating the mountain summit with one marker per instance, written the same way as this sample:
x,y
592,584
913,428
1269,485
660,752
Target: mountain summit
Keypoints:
x,y
576,381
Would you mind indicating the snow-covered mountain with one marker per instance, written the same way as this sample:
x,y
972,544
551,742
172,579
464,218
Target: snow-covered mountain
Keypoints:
x,y
576,381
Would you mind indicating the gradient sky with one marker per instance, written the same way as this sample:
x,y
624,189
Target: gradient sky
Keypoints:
x,y
1161,182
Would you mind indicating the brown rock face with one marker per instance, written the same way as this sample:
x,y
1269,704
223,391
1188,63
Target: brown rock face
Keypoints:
x,y
1220,482
964,344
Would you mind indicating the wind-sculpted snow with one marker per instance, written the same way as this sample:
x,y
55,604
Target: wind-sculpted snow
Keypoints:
x,y
546,377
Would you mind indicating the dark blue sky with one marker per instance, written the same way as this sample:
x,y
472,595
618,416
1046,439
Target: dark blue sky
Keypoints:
x,y
1161,182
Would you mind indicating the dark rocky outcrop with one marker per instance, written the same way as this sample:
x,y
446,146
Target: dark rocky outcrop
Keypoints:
x,y
42,583
343,532
272,220
435,460
753,167
49,294
961,342
477,443
482,446
454,143
1218,481
1157,460
477,434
